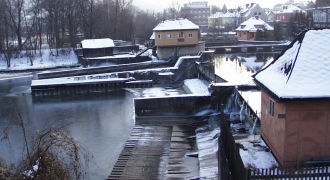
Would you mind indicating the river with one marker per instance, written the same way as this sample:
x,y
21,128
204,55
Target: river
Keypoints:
x,y
102,122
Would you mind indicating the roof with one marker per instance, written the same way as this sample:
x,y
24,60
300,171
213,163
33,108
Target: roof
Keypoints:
x,y
302,71
250,25
97,43
291,9
178,24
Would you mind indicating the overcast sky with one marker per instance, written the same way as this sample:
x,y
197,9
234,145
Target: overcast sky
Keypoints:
x,y
160,5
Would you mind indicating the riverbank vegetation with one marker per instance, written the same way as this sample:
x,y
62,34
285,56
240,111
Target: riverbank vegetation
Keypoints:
x,y
47,154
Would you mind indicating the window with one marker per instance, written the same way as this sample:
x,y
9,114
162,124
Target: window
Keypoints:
x,y
259,13
271,107
190,35
181,35
159,36
169,36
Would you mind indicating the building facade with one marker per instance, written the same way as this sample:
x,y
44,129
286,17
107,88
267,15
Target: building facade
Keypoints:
x,y
174,38
321,17
295,100
247,30
197,12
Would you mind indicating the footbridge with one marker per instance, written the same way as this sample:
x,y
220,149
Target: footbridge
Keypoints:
x,y
248,48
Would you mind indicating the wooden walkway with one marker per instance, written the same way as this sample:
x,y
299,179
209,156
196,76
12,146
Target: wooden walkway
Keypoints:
x,y
157,152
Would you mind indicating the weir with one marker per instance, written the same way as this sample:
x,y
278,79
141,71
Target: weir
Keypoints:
x,y
248,48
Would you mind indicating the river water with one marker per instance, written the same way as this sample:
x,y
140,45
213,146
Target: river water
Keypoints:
x,y
101,122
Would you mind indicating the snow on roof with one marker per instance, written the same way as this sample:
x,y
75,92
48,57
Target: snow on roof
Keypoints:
x,y
228,14
292,9
247,9
178,24
97,43
302,70
217,15
250,25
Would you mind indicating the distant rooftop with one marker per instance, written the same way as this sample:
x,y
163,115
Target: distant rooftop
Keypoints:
x,y
177,24
253,24
196,4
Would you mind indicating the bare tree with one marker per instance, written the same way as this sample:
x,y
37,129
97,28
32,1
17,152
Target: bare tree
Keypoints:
x,y
15,9
50,153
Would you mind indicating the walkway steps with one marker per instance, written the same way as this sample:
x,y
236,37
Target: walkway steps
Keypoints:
x,y
158,152
144,154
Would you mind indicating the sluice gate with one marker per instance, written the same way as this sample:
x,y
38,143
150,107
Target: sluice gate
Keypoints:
x,y
87,87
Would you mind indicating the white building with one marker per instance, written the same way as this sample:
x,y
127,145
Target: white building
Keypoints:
x,y
197,12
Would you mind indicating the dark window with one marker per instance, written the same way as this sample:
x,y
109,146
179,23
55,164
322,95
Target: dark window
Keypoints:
x,y
181,35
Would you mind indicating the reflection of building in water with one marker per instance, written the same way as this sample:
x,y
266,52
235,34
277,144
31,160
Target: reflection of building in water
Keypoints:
x,y
240,67
252,62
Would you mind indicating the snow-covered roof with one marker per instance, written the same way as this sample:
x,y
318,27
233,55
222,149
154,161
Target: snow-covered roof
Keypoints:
x,y
252,24
216,15
97,43
228,14
248,9
178,24
302,70
292,9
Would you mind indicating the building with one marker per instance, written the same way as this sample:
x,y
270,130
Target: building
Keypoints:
x,y
97,47
286,13
321,17
197,12
233,18
224,20
271,17
295,100
177,37
248,29
251,10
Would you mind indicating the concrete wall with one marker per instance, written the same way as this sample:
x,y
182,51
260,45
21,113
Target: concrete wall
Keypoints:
x,y
171,106
165,53
302,134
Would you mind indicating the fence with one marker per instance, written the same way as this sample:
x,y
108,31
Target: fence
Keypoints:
x,y
229,156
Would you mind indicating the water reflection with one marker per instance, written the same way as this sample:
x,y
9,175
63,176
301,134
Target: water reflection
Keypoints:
x,y
240,67
102,122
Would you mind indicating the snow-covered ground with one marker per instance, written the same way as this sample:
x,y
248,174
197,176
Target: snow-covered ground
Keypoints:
x,y
43,59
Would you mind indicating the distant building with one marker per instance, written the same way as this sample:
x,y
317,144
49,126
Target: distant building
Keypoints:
x,y
248,29
169,35
295,100
97,47
197,12
252,10
321,17
235,17
271,17
180,32
286,13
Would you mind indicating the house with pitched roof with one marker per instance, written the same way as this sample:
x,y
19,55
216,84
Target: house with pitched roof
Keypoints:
x,y
251,10
295,100
177,37
248,29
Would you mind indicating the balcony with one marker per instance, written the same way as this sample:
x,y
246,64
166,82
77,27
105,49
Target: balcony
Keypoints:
x,y
180,39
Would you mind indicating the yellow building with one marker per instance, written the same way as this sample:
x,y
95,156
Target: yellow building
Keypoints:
x,y
180,32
